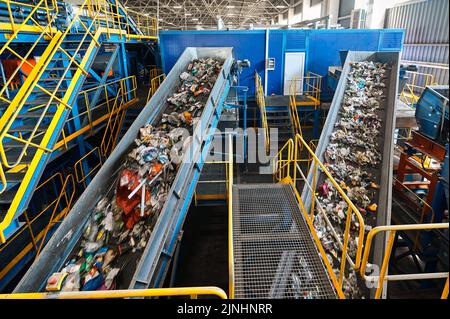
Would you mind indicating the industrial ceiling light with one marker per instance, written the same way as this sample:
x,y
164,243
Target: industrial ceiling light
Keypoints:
x,y
177,7
194,19
281,7
231,7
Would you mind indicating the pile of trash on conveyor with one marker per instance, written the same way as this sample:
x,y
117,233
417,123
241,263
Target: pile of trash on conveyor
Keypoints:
x,y
353,157
122,225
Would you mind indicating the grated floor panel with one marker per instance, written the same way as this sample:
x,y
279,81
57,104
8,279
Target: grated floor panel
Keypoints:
x,y
274,252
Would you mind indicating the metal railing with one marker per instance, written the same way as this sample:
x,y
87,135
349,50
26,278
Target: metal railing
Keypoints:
x,y
290,171
261,102
413,89
146,24
80,175
24,27
103,19
309,86
383,275
193,292
64,198
198,196
102,13
293,109
32,20
230,220
114,16
53,220
155,82
286,168
124,89
113,126
283,162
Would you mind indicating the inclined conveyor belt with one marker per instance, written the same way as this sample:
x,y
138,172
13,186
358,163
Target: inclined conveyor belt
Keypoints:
x,y
387,108
153,263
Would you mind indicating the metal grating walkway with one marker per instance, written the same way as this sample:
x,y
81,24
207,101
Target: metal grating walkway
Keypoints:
x,y
274,253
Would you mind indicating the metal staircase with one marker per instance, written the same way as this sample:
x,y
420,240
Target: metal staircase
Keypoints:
x,y
31,122
274,252
279,118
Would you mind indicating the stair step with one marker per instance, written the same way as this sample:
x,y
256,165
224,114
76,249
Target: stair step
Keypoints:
x,y
61,68
277,111
73,41
35,115
39,101
28,128
274,118
15,144
14,178
49,79
13,154
7,197
50,88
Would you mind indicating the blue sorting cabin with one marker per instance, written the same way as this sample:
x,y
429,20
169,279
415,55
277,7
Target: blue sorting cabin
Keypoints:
x,y
321,47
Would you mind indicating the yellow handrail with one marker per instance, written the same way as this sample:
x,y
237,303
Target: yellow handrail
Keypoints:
x,y
104,16
128,94
392,229
68,197
230,219
213,196
69,202
309,85
417,82
47,30
155,83
293,107
260,100
113,126
2,179
125,293
286,176
78,166
282,164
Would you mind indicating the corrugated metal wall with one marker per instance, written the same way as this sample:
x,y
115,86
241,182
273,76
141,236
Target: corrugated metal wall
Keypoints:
x,y
426,39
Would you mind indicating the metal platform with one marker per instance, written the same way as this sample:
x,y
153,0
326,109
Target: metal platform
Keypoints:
x,y
274,252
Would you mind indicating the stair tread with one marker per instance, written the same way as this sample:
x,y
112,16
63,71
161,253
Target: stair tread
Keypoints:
x,y
14,176
13,154
49,79
28,128
38,101
35,114
61,68
15,144
273,118
7,197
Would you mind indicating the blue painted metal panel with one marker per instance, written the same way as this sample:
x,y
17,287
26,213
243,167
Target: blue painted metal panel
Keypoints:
x,y
247,45
322,49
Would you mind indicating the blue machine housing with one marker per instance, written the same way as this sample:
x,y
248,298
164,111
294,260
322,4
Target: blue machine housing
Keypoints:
x,y
322,48
432,113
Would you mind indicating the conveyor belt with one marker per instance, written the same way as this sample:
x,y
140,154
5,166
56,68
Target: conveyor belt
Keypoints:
x,y
274,252
148,269
384,173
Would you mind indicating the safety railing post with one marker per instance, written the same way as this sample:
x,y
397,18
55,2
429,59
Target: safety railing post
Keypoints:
x,y
445,290
384,265
230,219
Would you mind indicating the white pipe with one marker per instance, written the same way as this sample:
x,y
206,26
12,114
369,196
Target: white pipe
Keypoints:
x,y
143,182
143,200
435,275
265,61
